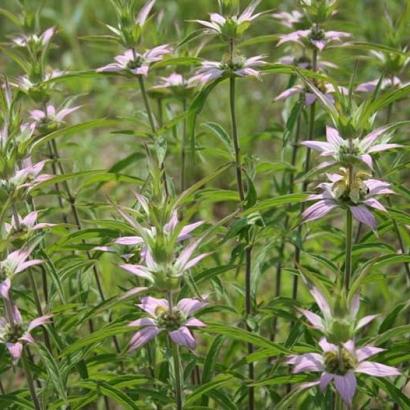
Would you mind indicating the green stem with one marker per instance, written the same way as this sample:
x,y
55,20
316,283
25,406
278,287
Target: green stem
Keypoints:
x,y
147,105
305,184
76,216
177,362
348,251
183,148
152,125
178,380
248,250
30,381
278,283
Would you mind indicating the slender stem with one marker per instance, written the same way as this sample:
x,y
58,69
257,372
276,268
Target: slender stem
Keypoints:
x,y
278,283
305,184
348,251
248,250
235,139
30,381
177,362
76,216
178,380
152,125
183,148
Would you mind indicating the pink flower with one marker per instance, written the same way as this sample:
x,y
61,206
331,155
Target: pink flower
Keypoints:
x,y
29,176
26,84
176,322
14,334
174,81
240,67
358,195
317,38
174,267
233,25
306,63
310,97
50,114
326,323
161,256
288,19
135,63
144,12
26,224
14,263
340,366
42,40
370,86
343,151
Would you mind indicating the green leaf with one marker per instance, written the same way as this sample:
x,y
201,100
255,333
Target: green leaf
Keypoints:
x,y
285,379
117,395
215,383
221,133
393,392
97,337
75,129
267,204
245,336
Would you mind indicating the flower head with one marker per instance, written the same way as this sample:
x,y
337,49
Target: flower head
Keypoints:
x,y
163,262
309,96
27,224
14,263
240,67
314,37
34,40
340,364
175,84
50,118
386,83
14,333
339,323
233,26
288,19
344,151
144,13
357,192
176,321
28,176
134,63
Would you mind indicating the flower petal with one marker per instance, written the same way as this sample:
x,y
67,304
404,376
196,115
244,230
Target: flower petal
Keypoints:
x,y
40,321
151,305
365,321
193,322
143,336
325,379
367,351
183,337
190,306
309,362
363,215
314,319
376,369
15,349
346,386
138,270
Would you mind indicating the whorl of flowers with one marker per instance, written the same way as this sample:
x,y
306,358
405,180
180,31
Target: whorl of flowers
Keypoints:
x,y
345,152
350,189
239,67
175,321
232,26
14,333
340,365
135,63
